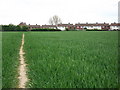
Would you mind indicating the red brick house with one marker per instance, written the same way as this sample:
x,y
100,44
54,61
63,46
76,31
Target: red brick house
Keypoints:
x,y
49,26
33,26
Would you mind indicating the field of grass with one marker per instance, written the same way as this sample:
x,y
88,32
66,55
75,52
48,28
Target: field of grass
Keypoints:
x,y
11,42
70,59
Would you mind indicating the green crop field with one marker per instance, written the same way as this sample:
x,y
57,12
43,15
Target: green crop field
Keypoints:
x,y
10,52
73,59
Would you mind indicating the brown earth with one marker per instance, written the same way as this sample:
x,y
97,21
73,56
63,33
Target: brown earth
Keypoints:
x,y
22,68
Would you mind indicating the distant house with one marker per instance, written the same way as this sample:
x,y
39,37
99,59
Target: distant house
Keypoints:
x,y
22,24
78,26
71,27
66,26
81,26
115,26
33,26
49,26
62,26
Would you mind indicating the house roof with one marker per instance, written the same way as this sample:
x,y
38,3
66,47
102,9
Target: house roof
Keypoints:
x,y
115,24
48,26
65,25
22,24
92,24
34,26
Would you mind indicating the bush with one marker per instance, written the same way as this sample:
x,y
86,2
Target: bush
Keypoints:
x,y
66,29
46,29
96,30
72,30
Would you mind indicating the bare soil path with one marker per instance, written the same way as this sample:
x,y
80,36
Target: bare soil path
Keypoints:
x,y
22,68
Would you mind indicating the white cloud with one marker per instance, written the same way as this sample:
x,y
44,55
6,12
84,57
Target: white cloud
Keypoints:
x,y
39,11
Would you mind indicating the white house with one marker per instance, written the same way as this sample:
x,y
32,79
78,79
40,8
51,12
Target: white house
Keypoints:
x,y
115,26
92,26
62,28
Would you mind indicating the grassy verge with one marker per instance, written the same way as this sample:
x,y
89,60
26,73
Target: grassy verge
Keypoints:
x,y
11,42
72,59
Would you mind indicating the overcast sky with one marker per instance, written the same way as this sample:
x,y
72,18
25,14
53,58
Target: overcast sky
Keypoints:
x,y
70,11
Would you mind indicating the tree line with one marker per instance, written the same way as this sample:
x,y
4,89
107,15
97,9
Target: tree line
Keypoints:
x,y
12,27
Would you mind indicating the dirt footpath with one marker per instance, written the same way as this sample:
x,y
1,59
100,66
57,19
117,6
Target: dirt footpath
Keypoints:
x,y
22,68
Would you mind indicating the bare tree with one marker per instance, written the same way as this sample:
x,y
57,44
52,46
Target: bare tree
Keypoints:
x,y
55,20
50,21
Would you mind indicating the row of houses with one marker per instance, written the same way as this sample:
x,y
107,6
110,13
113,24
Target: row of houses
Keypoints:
x,y
78,26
